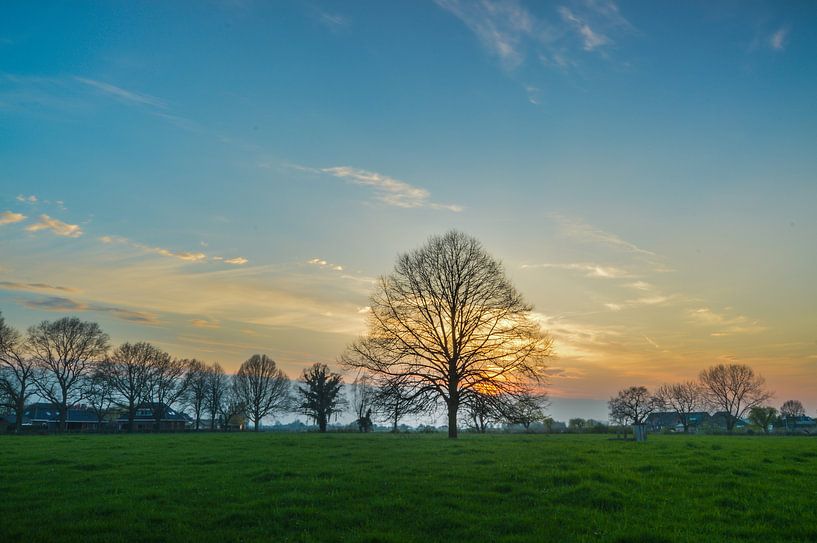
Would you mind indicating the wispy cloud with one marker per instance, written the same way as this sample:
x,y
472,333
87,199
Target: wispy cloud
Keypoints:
x,y
124,95
777,40
578,229
501,27
189,256
237,261
56,226
511,32
324,264
331,20
387,189
590,270
66,305
723,324
590,38
33,287
8,217
30,199
203,323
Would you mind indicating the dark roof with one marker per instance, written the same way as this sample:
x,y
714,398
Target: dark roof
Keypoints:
x,y
48,412
169,414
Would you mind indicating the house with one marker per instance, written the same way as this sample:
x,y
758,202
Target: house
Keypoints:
x,y
717,422
145,420
46,417
800,424
671,420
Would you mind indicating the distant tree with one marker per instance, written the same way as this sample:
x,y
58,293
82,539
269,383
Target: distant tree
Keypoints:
x,y
483,409
763,417
320,394
233,408
217,390
634,404
196,397
450,321
682,398
548,423
790,410
128,372
396,398
262,387
527,409
16,372
99,395
734,389
64,352
576,425
363,396
168,385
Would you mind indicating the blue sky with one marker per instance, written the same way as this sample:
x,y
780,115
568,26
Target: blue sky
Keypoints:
x,y
224,178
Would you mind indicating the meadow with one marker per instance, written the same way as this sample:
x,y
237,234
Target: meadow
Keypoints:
x,y
376,487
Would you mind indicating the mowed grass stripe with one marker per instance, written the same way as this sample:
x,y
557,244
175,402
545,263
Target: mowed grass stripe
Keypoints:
x,y
376,487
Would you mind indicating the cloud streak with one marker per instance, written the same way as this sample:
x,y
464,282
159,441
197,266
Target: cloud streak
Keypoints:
x,y
60,304
7,217
121,94
57,227
387,189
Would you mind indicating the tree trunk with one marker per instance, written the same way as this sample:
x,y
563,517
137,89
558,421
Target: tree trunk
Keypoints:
x,y
452,419
255,424
20,409
63,419
131,418
394,425
322,424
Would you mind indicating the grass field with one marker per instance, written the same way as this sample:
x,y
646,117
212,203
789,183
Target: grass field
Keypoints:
x,y
349,487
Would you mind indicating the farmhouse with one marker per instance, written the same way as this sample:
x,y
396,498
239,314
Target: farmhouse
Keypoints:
x,y
46,416
145,420
671,420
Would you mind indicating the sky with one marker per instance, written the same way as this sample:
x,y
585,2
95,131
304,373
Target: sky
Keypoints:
x,y
226,178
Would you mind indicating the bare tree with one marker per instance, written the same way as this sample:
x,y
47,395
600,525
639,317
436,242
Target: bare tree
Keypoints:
x,y
527,409
320,394
735,389
64,351
128,371
99,394
363,397
197,390
217,390
683,398
168,384
262,387
16,371
232,406
449,321
790,410
763,417
395,399
633,405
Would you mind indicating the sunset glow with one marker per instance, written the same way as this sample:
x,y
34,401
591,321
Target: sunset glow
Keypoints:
x,y
237,184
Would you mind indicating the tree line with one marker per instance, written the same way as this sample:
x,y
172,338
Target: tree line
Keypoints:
x,y
732,389
68,361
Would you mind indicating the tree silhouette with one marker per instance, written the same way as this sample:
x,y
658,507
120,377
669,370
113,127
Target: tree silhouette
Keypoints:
x,y
262,387
320,394
128,372
683,398
16,372
735,389
449,321
64,352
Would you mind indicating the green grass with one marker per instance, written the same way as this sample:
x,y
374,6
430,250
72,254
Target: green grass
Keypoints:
x,y
351,487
